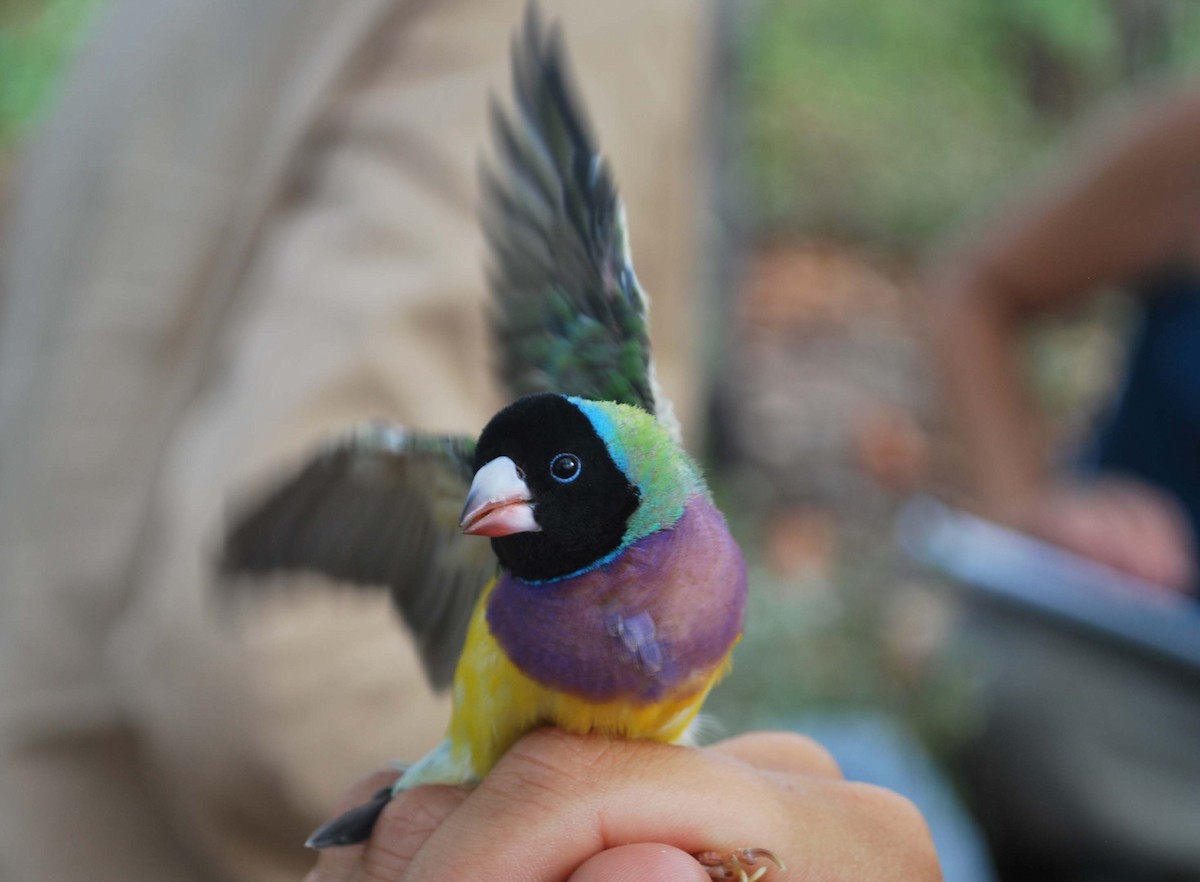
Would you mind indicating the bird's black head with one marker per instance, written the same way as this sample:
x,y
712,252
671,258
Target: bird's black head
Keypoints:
x,y
547,490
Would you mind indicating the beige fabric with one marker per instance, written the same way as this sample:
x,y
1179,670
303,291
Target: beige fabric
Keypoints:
x,y
245,224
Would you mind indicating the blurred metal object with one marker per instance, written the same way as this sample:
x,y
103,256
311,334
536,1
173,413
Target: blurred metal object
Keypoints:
x,y
1012,568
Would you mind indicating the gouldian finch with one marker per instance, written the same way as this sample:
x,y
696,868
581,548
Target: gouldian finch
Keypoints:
x,y
611,593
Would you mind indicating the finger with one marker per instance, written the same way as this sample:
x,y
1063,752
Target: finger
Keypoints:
x,y
339,864
1129,532
1124,525
781,752
1156,545
1142,546
336,864
644,862
409,819
585,795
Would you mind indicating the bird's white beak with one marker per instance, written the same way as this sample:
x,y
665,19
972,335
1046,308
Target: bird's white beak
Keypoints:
x,y
498,503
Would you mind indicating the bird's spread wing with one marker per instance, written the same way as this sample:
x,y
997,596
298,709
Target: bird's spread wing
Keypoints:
x,y
568,315
379,507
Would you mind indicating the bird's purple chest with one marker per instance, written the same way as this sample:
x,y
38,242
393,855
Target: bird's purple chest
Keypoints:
x,y
667,610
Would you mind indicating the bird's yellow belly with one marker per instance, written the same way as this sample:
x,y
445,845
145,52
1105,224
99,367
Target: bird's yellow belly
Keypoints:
x,y
495,704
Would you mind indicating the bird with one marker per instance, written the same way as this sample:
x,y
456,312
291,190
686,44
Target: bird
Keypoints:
x,y
610,593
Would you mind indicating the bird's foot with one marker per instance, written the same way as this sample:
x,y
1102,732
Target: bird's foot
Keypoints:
x,y
741,864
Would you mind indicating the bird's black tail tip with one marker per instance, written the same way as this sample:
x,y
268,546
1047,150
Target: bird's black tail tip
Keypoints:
x,y
352,827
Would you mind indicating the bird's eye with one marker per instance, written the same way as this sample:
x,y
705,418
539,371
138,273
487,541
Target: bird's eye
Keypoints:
x,y
565,468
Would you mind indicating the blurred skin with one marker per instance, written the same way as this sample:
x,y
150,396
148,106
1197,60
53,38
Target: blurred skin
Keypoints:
x,y
1127,204
588,809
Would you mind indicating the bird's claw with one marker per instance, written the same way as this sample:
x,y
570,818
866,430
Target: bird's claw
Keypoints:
x,y
738,863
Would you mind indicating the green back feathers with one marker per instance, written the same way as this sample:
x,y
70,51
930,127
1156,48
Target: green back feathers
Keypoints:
x,y
644,450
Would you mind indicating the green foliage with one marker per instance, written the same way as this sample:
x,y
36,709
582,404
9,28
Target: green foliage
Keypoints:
x,y
36,37
880,120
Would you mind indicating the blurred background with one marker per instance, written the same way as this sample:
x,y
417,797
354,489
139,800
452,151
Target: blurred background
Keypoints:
x,y
865,139
854,141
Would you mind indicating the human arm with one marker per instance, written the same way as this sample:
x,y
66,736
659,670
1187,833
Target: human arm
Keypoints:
x,y
563,807
1129,205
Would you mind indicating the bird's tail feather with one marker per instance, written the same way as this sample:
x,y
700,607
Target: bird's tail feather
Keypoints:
x,y
352,827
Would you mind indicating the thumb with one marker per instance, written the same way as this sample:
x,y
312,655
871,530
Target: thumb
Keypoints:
x,y
644,862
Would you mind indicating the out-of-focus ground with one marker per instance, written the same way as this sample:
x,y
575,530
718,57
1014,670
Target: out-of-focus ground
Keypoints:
x,y
830,422
867,135
861,133
833,425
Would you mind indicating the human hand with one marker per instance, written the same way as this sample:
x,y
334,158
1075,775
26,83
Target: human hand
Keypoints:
x,y
586,809
1124,524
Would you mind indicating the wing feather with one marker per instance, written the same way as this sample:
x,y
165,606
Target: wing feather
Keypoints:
x,y
380,508
568,312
